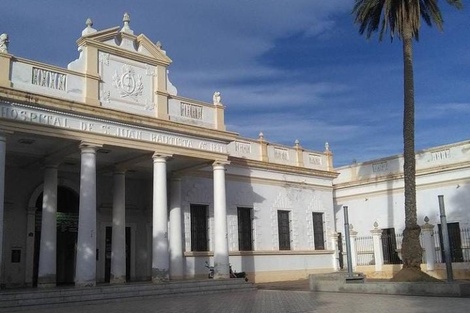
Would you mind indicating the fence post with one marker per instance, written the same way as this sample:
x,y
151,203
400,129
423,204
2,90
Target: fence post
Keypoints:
x,y
334,247
378,252
352,236
428,244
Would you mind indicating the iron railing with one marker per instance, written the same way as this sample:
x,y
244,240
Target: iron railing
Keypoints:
x,y
460,246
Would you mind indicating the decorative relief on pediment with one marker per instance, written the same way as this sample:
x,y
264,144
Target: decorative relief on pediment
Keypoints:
x,y
148,105
106,96
103,58
128,83
149,70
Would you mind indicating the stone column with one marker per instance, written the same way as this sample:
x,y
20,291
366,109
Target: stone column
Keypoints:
x,y
2,199
176,231
48,246
85,271
160,251
29,257
352,237
378,251
428,244
334,246
221,258
118,235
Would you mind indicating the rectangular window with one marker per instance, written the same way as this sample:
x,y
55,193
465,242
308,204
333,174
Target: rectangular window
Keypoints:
x,y
284,229
245,242
199,228
319,240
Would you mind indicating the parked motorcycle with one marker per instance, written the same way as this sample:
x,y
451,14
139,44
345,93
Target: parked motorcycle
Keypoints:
x,y
232,273
211,270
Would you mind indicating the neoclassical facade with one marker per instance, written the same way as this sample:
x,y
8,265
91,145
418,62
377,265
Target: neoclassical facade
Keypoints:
x,y
108,175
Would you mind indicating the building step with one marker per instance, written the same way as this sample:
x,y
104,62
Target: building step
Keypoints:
x,y
20,299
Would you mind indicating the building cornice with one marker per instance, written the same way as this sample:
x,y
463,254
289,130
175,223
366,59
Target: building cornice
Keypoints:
x,y
11,95
282,168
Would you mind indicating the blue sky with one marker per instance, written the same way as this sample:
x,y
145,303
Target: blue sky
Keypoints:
x,y
290,69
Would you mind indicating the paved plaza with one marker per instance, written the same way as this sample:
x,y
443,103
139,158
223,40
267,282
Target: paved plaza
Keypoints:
x,y
273,301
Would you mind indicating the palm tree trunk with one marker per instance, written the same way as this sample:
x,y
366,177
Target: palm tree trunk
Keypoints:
x,y
411,248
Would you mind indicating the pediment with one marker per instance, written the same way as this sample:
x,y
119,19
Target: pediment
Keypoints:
x,y
114,39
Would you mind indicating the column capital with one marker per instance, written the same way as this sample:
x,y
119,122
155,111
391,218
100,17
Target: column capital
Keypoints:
x,y
158,155
176,177
89,144
51,165
3,133
119,169
222,163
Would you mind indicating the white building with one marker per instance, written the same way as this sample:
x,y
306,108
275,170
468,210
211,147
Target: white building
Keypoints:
x,y
373,192
108,175
108,144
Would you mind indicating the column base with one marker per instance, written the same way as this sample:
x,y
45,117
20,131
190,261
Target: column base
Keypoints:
x,y
160,275
46,285
118,280
85,284
47,281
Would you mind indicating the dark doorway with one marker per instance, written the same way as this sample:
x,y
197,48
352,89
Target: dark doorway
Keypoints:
x,y
454,241
107,262
199,228
389,246
245,242
67,228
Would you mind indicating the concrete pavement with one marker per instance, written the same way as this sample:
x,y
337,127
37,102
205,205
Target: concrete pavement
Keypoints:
x,y
273,301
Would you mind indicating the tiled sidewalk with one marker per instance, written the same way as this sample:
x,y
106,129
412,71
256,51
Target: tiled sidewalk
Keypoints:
x,y
273,301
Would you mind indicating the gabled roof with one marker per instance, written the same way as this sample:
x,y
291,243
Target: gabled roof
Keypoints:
x,y
122,41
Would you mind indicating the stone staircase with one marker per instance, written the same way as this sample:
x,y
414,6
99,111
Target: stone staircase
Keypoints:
x,y
22,299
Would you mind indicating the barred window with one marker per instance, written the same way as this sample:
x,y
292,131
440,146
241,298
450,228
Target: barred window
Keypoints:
x,y
245,242
199,228
284,229
318,236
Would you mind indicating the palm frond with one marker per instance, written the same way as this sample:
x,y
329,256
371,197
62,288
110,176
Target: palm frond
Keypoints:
x,y
391,16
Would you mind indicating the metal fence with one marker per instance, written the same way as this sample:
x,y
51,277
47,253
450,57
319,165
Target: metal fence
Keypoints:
x,y
459,242
365,250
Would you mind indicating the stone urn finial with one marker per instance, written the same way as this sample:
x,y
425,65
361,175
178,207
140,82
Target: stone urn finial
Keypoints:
x,y
88,29
4,43
127,20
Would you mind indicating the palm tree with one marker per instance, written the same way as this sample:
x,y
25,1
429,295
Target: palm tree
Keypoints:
x,y
402,18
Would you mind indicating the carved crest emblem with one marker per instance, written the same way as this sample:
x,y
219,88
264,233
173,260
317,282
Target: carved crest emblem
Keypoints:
x,y
128,82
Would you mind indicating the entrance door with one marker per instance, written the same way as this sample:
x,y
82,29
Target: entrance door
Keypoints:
x,y
107,262
67,227
389,246
454,241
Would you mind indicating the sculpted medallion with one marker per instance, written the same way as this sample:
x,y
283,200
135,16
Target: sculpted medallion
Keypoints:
x,y
127,82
